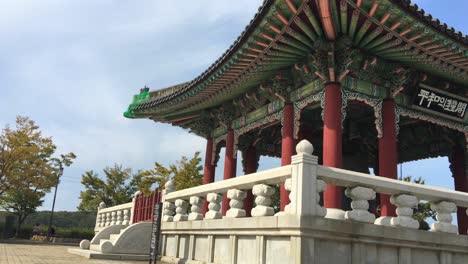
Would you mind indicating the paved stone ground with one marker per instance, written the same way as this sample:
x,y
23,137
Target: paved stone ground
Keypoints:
x,y
47,254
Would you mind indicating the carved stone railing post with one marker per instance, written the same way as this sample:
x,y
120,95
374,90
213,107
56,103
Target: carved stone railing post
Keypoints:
x,y
444,212
168,207
236,204
108,219
100,218
132,212
114,217
360,204
181,210
103,220
288,187
214,206
126,217
405,204
195,213
263,201
119,217
303,180
168,212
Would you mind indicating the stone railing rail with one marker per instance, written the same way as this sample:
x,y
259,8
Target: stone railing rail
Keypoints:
x,y
115,215
305,180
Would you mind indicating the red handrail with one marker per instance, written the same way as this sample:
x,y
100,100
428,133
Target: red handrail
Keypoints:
x,y
143,210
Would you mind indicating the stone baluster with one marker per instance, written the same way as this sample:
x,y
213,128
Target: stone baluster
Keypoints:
x,y
321,187
168,212
236,204
405,204
119,217
98,220
102,220
195,213
444,212
114,218
168,207
126,217
181,210
360,204
263,201
108,219
214,206
292,195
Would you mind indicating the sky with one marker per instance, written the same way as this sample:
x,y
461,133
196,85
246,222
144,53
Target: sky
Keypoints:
x,y
73,67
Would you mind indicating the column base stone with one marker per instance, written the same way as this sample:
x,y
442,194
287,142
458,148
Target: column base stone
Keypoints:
x,y
384,221
334,213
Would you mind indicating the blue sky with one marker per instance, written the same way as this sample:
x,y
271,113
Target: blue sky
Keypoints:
x,y
73,67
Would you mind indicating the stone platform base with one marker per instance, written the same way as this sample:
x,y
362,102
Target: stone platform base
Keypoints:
x,y
99,255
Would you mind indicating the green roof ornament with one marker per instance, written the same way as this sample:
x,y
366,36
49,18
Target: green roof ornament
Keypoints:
x,y
143,96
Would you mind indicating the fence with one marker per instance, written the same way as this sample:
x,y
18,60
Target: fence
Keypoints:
x,y
139,210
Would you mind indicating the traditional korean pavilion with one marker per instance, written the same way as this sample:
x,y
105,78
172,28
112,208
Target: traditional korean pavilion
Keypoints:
x,y
371,83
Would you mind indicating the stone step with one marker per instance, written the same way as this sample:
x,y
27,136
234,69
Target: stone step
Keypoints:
x,y
104,240
113,237
95,247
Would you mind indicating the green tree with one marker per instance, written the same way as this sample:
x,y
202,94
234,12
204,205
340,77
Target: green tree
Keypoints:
x,y
118,187
185,172
423,211
29,169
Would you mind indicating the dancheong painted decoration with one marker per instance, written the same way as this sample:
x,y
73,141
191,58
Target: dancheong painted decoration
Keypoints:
x,y
370,83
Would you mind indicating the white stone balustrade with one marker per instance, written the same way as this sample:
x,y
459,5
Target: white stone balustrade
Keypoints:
x,y
181,210
195,210
236,204
304,175
263,201
360,204
214,206
405,204
115,215
444,212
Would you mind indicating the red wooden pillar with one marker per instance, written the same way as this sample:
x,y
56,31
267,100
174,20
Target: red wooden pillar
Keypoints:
x,y
461,184
208,170
332,141
229,166
287,148
250,166
388,154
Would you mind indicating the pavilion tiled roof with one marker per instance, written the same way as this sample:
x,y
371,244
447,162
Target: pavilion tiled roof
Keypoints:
x,y
190,95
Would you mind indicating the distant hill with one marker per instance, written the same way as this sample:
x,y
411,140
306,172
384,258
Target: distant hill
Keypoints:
x,y
63,219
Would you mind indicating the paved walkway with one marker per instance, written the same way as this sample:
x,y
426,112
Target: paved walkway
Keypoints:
x,y
47,254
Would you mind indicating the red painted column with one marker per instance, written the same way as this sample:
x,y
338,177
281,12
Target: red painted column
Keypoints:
x,y
287,148
229,166
208,170
332,141
461,184
250,166
388,154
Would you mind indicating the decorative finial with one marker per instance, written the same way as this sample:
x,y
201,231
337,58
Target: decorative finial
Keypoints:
x,y
144,89
169,185
137,193
102,205
304,147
